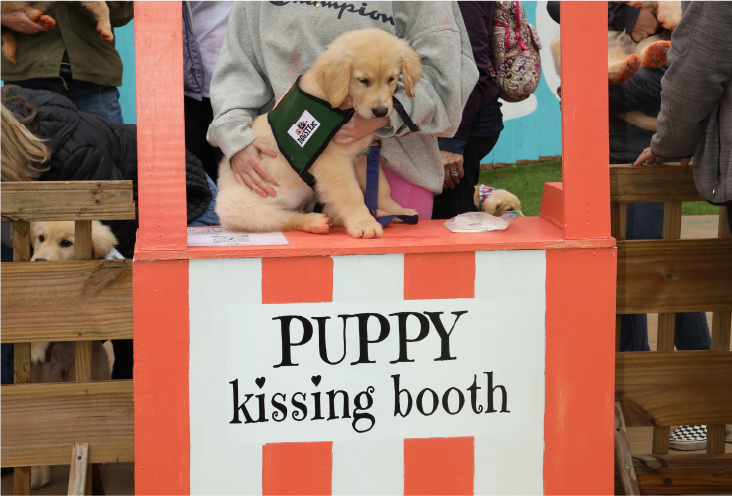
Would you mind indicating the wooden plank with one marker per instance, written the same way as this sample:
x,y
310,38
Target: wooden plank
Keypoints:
x,y
666,331
723,231
66,301
21,241
652,183
22,480
674,387
77,200
83,361
79,469
684,474
721,328
40,422
661,435
623,458
618,220
21,363
83,240
716,438
664,276
672,220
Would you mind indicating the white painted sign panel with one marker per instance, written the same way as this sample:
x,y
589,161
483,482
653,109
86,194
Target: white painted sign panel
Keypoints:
x,y
409,369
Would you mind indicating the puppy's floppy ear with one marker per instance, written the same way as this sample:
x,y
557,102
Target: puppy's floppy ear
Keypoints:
x,y
333,74
411,68
102,240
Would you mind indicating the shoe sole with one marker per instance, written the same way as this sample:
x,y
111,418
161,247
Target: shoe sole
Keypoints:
x,y
687,445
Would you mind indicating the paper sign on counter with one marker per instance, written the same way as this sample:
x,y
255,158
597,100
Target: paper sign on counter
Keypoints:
x,y
218,236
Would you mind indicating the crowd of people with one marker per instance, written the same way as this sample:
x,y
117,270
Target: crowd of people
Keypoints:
x,y
62,120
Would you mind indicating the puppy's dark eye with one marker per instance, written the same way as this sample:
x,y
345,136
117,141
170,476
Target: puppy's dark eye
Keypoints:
x,y
364,81
41,238
66,243
391,79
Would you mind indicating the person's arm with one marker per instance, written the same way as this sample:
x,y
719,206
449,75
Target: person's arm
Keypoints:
x,y
693,86
120,13
436,32
642,91
621,17
552,8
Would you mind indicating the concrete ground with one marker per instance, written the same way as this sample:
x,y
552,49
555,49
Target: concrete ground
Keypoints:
x,y
118,478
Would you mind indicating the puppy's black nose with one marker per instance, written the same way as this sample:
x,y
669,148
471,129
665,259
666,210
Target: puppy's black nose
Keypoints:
x,y
379,111
40,260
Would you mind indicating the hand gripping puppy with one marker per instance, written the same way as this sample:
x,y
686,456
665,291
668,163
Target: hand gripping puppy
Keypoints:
x,y
360,67
35,13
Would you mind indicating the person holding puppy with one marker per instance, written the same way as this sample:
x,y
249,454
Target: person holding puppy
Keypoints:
x,y
268,45
69,58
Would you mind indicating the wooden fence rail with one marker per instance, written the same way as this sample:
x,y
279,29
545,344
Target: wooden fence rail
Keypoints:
x,y
81,301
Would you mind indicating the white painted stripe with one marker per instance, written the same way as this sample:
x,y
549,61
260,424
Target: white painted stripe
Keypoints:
x,y
368,277
368,467
235,469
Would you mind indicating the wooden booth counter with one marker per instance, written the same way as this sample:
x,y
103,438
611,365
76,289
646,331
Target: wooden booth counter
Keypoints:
x,y
424,362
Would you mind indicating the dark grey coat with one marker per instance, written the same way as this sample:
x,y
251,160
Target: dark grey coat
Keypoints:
x,y
696,98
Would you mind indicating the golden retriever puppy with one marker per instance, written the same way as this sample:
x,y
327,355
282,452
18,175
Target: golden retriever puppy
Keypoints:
x,y
54,362
359,68
498,202
35,14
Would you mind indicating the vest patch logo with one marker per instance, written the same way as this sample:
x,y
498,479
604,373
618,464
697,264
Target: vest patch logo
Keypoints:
x,y
304,128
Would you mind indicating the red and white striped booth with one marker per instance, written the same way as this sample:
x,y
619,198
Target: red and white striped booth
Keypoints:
x,y
424,362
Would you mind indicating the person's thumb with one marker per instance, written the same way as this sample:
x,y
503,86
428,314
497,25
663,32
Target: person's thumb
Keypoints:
x,y
264,148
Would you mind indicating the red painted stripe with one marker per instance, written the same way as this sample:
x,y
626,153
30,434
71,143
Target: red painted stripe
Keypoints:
x,y
297,468
585,170
433,276
161,344
439,465
552,204
580,371
297,280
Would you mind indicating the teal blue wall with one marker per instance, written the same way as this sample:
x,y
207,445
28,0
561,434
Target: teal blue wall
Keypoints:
x,y
532,128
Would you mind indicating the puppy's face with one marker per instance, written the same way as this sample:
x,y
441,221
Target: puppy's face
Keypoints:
x,y
55,241
361,68
500,202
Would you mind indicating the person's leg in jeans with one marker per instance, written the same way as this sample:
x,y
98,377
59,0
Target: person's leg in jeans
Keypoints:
x,y
645,221
452,202
96,99
198,116
209,217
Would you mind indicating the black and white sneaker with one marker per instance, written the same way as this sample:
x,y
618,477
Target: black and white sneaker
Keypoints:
x,y
688,438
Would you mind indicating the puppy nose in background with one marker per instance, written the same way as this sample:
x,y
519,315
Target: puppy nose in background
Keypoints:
x,y
379,111
39,260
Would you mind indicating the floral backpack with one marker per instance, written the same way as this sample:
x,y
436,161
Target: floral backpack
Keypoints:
x,y
516,68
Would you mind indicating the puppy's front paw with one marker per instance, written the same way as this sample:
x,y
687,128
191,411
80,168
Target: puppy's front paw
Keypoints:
x,y
317,223
38,352
367,229
105,32
40,476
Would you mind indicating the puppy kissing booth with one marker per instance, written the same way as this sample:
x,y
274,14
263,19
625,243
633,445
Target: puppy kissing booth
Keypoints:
x,y
424,362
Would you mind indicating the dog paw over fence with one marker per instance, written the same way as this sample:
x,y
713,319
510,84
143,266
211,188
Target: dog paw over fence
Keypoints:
x,y
83,300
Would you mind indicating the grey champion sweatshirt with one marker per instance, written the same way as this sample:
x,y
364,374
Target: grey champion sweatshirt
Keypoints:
x,y
269,44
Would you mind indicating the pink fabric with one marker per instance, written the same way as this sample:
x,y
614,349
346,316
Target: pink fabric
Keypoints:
x,y
408,195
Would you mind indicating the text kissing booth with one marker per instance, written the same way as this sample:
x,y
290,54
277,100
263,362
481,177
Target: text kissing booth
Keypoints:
x,y
424,362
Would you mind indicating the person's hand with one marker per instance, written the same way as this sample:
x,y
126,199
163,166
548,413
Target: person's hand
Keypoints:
x,y
646,25
19,22
358,128
249,170
649,158
452,162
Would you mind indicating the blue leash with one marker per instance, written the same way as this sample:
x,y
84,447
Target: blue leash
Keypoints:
x,y
372,190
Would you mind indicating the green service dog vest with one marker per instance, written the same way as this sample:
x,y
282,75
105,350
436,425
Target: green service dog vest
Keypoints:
x,y
303,125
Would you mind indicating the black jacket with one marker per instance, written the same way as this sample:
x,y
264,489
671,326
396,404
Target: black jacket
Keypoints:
x,y
85,147
642,93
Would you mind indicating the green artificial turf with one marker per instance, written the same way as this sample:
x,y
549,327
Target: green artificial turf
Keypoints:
x,y
527,182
